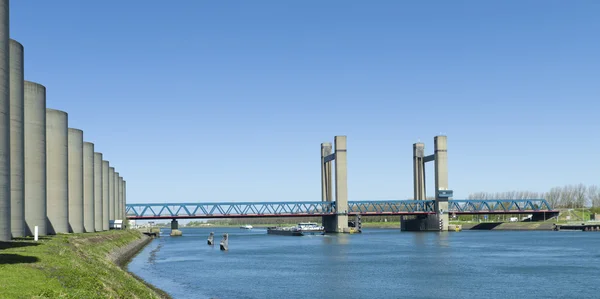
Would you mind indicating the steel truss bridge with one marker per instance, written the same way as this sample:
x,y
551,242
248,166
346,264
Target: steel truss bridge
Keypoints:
x,y
320,208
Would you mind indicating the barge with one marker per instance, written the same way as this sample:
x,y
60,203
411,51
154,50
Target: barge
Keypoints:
x,y
302,229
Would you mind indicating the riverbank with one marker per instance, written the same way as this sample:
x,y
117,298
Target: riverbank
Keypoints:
x,y
74,266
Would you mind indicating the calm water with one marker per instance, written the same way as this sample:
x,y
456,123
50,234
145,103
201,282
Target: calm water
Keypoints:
x,y
380,263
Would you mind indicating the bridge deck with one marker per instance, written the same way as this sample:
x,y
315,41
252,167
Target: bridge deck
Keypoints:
x,y
319,208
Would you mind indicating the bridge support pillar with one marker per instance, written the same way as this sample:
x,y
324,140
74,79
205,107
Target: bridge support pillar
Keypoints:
x,y
175,228
329,223
416,223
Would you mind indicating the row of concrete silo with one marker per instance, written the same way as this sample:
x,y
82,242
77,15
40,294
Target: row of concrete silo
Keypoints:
x,y
51,179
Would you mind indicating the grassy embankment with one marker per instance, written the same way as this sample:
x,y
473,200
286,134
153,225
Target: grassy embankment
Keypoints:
x,y
69,266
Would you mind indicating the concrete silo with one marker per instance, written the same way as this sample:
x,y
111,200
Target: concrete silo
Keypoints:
x,y
88,187
57,171
105,195
17,141
75,173
111,193
98,207
5,232
117,196
124,199
35,157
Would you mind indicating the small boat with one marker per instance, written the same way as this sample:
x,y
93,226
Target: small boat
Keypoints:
x,y
302,229
247,226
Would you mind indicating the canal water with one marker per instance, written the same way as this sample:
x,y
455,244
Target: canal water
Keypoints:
x,y
379,263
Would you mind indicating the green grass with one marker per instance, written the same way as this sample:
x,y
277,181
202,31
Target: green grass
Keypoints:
x,y
68,266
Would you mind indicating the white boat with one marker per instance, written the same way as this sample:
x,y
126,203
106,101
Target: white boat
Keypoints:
x,y
310,228
247,226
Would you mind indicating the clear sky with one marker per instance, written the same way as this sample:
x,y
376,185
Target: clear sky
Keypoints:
x,y
204,101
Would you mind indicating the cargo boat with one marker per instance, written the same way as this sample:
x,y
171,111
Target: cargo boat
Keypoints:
x,y
302,229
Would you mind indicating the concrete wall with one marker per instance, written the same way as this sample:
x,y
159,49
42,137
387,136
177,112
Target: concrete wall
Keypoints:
x,y
111,193
35,157
5,232
98,206
88,187
17,141
57,179
105,195
75,146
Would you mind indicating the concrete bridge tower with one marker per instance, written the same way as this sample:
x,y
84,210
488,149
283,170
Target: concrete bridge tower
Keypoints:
x,y
438,221
441,181
337,223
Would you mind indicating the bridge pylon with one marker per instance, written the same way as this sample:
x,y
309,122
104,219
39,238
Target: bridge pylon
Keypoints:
x,y
439,220
337,223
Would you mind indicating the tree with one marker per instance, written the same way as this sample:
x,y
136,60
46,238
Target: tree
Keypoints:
x,y
567,197
553,196
580,192
593,194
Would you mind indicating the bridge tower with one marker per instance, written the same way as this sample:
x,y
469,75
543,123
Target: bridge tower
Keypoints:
x,y
337,223
439,221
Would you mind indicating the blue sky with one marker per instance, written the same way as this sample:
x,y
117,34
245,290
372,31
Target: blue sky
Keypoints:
x,y
204,101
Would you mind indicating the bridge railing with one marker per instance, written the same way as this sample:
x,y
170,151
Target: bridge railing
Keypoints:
x,y
228,209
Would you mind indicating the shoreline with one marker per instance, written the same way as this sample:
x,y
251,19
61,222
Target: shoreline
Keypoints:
x,y
122,256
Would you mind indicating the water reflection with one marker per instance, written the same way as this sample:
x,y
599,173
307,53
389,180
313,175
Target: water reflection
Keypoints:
x,y
443,239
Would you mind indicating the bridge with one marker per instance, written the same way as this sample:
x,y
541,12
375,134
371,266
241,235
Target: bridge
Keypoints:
x,y
418,214
324,208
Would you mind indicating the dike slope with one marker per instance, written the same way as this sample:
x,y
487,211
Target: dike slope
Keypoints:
x,y
73,266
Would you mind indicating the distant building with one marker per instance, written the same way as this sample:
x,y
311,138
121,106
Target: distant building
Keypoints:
x,y
116,224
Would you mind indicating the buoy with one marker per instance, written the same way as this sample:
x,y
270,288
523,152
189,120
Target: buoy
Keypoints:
x,y
225,242
211,239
